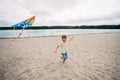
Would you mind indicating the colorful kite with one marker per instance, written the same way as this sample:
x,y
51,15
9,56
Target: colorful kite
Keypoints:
x,y
25,23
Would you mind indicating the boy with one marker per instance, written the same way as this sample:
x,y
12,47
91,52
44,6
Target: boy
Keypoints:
x,y
63,47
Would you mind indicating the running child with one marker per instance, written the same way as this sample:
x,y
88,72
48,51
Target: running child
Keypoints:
x,y
64,47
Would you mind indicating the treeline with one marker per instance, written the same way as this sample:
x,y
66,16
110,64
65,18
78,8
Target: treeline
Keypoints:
x,y
67,27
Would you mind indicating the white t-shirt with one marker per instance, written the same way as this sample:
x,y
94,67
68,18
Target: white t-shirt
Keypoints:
x,y
63,47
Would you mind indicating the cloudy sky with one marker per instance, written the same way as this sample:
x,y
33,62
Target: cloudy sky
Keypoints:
x,y
60,12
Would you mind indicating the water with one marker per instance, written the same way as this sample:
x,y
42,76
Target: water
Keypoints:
x,y
50,32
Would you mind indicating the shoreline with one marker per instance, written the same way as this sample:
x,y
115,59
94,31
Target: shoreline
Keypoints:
x,y
58,35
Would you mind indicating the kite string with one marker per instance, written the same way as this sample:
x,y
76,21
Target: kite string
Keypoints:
x,y
17,36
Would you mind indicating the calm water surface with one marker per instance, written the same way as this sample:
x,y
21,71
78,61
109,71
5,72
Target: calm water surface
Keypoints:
x,y
50,32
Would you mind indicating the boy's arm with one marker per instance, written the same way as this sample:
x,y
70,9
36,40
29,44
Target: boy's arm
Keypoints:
x,y
71,38
56,48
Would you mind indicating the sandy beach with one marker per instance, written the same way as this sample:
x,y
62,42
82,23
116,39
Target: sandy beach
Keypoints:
x,y
91,57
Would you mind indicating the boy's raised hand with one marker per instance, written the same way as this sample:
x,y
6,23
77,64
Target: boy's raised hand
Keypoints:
x,y
71,38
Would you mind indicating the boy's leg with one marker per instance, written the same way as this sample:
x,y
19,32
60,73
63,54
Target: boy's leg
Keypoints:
x,y
65,57
62,56
64,61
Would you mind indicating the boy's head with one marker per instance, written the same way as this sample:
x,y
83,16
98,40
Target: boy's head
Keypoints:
x,y
64,38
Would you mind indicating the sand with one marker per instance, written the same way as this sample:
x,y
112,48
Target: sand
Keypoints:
x,y
91,57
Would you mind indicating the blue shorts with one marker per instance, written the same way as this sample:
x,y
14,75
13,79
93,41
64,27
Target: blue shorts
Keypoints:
x,y
64,55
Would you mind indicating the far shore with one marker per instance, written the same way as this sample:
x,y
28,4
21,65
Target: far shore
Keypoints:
x,y
65,27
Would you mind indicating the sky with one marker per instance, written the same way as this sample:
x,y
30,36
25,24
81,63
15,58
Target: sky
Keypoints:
x,y
60,12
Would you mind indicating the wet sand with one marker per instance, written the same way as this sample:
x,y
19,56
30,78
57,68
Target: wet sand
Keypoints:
x,y
91,57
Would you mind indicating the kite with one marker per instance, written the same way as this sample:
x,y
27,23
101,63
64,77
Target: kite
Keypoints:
x,y
26,23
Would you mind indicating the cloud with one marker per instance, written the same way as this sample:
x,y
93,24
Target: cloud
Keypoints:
x,y
60,12
112,18
4,23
